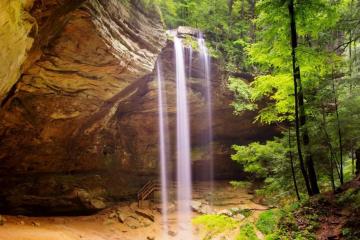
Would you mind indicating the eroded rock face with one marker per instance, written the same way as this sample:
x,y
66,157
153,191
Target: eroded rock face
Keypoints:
x,y
15,26
88,57
79,129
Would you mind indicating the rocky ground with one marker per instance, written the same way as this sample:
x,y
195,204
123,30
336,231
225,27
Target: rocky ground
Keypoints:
x,y
127,221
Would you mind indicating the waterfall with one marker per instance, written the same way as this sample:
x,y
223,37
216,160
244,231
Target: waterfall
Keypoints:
x,y
183,147
163,147
205,63
190,61
183,143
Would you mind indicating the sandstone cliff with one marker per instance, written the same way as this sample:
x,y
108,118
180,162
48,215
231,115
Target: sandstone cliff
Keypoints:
x,y
79,128
84,53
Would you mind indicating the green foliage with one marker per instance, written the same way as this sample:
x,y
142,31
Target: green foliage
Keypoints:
x,y
247,232
246,212
350,197
346,232
283,224
240,184
271,162
243,95
258,158
332,104
215,224
278,88
329,59
268,221
227,25
272,53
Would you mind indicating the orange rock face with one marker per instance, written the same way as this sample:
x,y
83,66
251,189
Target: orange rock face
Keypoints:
x,y
79,129
85,53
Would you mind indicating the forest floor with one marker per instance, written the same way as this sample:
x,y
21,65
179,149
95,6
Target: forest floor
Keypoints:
x,y
339,213
126,221
327,216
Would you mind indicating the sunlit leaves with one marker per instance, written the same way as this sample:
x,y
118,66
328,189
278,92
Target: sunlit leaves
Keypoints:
x,y
272,53
258,158
243,95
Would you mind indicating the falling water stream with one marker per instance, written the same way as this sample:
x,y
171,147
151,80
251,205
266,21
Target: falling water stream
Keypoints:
x,y
183,147
190,62
208,136
163,135
183,165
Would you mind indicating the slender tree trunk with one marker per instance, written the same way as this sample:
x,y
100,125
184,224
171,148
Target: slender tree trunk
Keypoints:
x,y
242,33
296,75
339,132
312,174
357,155
350,47
337,164
332,180
332,173
300,117
292,167
298,139
230,6
352,158
243,9
252,26
355,52
350,53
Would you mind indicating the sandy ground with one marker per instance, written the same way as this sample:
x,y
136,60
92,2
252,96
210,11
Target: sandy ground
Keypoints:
x,y
106,224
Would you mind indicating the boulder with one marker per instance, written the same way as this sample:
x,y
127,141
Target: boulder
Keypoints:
x,y
235,213
171,207
201,208
145,214
196,205
137,222
133,222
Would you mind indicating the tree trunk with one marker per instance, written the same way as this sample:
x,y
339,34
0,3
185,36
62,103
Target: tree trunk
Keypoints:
x,y
352,158
314,189
296,75
339,132
292,167
243,10
312,175
328,142
253,26
357,155
230,6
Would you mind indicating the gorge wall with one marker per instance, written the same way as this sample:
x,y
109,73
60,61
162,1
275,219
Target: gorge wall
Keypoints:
x,y
78,117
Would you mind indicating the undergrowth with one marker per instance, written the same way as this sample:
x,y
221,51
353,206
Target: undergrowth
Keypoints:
x,y
215,224
247,232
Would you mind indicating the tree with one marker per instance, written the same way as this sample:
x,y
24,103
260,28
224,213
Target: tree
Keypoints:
x,y
311,34
300,119
357,154
292,167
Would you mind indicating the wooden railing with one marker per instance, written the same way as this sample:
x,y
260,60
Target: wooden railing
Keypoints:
x,y
150,187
